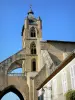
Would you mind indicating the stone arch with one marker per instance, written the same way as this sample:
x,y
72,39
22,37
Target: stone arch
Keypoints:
x,y
11,89
14,59
14,65
33,48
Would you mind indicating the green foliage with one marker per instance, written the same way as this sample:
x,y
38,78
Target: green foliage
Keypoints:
x,y
70,95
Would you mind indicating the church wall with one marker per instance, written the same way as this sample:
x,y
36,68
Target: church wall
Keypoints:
x,y
58,50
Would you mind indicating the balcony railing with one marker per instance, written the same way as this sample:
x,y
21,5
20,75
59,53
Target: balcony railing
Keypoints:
x,y
17,74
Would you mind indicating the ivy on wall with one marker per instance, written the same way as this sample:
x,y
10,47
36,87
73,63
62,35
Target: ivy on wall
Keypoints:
x,y
70,95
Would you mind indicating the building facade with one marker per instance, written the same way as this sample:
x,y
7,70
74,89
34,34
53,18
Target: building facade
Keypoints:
x,y
41,62
61,83
49,53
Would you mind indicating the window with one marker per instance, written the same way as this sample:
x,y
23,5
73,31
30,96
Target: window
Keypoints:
x,y
64,81
72,74
33,65
32,32
33,48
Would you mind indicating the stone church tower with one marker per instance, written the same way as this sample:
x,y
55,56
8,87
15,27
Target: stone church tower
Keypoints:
x,y
31,37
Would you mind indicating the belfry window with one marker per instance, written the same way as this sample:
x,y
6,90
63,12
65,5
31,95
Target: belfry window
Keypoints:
x,y
33,65
32,32
33,48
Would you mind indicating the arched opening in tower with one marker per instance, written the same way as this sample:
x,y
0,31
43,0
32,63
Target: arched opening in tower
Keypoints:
x,y
33,65
32,32
33,48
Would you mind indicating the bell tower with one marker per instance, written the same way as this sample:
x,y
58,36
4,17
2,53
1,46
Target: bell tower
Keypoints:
x,y
31,37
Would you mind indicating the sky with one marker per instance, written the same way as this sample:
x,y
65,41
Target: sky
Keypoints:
x,y
11,95
58,22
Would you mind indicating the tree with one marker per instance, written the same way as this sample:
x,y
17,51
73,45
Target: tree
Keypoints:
x,y
70,95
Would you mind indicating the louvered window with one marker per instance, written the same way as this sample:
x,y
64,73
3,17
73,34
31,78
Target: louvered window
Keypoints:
x,y
32,32
33,48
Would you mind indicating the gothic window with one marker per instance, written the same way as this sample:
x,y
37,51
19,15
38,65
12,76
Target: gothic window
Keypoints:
x,y
32,32
33,65
33,48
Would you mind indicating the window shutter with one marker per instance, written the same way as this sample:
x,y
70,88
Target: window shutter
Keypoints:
x,y
64,82
55,87
72,74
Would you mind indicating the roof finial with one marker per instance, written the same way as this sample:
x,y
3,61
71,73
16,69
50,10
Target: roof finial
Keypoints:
x,y
30,11
30,6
